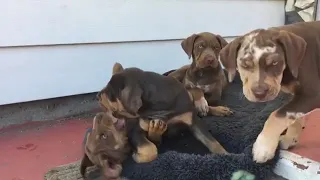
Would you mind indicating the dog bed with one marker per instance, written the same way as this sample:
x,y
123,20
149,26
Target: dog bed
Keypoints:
x,y
184,158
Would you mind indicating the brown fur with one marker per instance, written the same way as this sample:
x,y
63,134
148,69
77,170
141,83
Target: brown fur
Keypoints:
x,y
106,146
204,78
133,93
280,58
114,145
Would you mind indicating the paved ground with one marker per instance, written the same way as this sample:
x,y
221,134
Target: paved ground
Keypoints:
x,y
28,151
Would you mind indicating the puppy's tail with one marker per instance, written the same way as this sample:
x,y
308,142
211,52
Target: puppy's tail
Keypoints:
x,y
167,73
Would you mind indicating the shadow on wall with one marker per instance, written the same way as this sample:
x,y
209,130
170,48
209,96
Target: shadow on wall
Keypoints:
x,y
300,11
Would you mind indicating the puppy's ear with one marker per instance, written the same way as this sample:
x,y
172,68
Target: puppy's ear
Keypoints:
x,y
228,57
187,44
222,41
131,98
294,48
114,87
117,67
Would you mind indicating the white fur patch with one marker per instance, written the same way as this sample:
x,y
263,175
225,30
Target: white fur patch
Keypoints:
x,y
94,122
294,115
249,48
204,88
264,149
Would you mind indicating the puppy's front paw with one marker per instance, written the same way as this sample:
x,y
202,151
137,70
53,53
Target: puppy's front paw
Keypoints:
x,y
287,142
292,135
202,106
220,111
264,148
157,127
145,153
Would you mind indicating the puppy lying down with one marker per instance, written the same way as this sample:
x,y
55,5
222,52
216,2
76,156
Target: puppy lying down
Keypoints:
x,y
107,145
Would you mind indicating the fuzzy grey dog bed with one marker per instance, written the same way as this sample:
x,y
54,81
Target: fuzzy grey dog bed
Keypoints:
x,y
184,158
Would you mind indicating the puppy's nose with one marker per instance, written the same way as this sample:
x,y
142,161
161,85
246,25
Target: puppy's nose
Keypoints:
x,y
260,91
209,59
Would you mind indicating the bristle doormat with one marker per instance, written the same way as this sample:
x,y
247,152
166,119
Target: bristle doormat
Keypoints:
x,y
184,158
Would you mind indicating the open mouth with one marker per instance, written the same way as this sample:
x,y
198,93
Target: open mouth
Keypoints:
x,y
113,170
120,124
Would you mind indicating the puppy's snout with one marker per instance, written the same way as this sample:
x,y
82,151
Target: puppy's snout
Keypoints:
x,y
260,91
209,59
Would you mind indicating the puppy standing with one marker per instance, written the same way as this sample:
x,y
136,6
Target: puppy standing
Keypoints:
x,y
204,78
283,58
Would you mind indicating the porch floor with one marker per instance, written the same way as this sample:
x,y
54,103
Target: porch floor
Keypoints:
x,y
29,150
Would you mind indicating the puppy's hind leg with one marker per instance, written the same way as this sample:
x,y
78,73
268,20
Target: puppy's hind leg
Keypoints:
x,y
199,130
202,134
145,150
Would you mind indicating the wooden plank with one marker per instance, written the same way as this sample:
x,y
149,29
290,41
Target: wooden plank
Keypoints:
x,y
34,22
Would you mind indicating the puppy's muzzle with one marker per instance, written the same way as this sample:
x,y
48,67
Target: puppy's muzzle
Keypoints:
x,y
208,60
260,90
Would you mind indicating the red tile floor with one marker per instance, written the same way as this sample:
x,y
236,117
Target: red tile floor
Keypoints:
x,y
29,150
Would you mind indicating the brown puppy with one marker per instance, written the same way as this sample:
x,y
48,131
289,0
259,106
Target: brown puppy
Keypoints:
x,y
281,58
133,93
106,146
204,77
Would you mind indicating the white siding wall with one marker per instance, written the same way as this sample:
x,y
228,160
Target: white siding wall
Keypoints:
x,y
66,47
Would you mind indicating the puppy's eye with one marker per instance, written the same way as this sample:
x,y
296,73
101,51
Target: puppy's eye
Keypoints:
x,y
274,63
103,136
200,46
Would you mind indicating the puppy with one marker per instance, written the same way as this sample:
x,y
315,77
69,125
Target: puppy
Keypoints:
x,y
205,76
283,58
107,145
133,93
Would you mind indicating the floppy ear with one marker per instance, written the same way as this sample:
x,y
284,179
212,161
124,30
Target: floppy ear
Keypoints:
x,y
228,57
222,41
294,48
187,44
117,67
113,88
131,98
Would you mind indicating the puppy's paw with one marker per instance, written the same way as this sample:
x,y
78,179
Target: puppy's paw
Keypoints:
x,y
264,148
157,127
287,142
292,135
220,111
145,153
202,106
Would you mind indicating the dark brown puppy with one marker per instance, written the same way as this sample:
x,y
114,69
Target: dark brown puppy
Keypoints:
x,y
281,58
133,93
204,77
107,144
